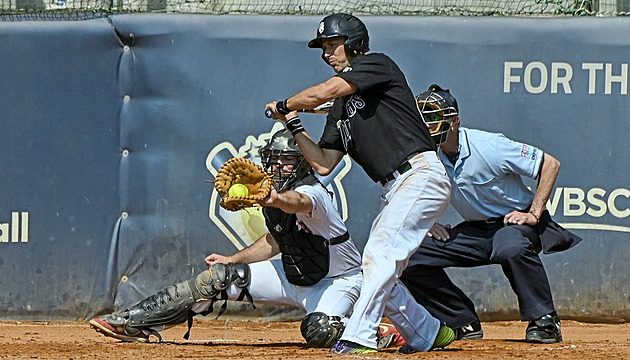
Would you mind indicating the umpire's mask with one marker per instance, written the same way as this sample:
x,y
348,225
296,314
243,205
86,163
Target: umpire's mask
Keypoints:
x,y
438,108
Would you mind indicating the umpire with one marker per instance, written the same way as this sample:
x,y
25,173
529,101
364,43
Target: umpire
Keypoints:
x,y
505,223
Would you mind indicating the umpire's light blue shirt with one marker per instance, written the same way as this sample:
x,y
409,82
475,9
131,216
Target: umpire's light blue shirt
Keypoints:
x,y
486,179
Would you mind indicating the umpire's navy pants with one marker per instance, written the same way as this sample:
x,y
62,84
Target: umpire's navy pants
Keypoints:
x,y
472,244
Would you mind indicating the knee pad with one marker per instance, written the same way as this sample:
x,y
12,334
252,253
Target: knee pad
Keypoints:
x,y
321,330
211,282
241,274
218,278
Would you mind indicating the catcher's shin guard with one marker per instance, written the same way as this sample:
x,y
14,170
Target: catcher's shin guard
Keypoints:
x,y
173,305
166,307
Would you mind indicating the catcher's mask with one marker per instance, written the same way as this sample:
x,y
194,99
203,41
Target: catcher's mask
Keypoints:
x,y
438,108
282,143
348,26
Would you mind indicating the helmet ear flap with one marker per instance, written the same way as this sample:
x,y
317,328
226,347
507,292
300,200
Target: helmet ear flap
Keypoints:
x,y
356,47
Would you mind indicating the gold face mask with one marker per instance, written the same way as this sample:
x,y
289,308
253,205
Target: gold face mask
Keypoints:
x,y
436,113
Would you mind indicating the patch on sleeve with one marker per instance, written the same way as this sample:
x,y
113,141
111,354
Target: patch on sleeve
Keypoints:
x,y
524,151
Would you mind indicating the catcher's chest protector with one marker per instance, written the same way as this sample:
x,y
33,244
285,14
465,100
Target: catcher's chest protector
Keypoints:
x,y
305,257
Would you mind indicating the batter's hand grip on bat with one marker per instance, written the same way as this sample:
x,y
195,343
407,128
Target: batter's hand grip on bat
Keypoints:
x,y
321,109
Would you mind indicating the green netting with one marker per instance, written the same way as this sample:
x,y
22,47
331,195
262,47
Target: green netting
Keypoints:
x,y
80,9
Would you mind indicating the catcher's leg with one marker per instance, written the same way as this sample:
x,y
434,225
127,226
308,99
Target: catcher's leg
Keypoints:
x,y
172,305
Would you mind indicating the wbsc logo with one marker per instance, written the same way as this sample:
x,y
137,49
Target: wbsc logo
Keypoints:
x,y
244,227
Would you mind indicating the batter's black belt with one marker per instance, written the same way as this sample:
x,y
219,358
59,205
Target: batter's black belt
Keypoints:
x,y
401,169
339,239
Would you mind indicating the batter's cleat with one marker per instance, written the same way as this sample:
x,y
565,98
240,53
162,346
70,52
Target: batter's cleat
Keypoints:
x,y
388,336
445,336
472,331
117,332
545,330
348,347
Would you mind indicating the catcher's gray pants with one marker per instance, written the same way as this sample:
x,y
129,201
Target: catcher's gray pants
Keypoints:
x,y
476,243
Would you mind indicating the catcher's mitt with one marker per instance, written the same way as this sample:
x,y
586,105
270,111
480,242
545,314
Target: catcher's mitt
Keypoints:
x,y
246,172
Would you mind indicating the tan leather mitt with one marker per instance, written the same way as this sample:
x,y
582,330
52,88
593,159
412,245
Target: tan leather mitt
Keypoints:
x,y
242,183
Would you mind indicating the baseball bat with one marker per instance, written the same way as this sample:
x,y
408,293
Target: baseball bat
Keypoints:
x,y
320,109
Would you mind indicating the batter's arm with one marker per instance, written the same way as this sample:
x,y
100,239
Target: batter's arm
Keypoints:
x,y
322,160
318,94
313,96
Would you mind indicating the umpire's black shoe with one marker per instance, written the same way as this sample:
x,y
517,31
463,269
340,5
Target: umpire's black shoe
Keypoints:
x,y
545,330
472,331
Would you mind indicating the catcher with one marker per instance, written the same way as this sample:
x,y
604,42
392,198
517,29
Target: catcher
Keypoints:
x,y
319,269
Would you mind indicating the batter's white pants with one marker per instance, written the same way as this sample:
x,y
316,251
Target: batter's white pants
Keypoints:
x,y
411,204
332,296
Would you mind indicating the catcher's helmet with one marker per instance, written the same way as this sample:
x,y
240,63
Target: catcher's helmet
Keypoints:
x,y
348,26
282,143
438,108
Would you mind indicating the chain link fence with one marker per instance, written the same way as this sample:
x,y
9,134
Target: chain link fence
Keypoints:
x,y
81,9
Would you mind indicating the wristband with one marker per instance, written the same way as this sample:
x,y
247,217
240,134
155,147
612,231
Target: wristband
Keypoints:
x,y
294,125
537,219
281,107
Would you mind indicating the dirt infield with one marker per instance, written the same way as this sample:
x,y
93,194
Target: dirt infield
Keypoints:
x,y
221,339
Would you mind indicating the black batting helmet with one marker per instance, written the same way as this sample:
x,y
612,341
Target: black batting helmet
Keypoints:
x,y
438,108
348,26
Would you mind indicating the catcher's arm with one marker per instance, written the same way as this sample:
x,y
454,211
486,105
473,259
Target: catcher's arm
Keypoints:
x,y
290,201
262,249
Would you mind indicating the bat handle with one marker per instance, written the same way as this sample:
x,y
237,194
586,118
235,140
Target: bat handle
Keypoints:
x,y
269,113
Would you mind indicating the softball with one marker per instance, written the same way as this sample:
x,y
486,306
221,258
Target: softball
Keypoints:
x,y
238,190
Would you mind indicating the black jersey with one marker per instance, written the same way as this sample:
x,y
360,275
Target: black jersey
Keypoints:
x,y
379,125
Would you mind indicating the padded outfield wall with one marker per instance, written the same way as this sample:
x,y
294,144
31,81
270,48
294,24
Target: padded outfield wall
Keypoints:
x,y
111,126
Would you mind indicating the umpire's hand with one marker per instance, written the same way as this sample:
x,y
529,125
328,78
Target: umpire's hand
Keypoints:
x,y
440,232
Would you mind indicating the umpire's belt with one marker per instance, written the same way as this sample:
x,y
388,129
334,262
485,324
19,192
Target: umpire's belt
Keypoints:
x,y
401,169
488,222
